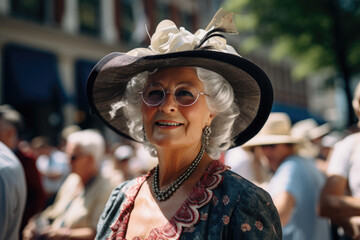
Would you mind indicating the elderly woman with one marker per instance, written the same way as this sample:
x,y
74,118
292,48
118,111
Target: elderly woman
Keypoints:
x,y
187,98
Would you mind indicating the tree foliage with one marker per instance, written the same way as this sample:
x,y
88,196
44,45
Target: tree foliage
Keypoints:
x,y
319,34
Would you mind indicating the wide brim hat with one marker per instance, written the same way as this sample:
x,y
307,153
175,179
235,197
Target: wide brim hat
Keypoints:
x,y
173,47
310,129
277,130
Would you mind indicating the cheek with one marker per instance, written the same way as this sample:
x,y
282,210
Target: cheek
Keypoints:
x,y
357,112
196,115
147,113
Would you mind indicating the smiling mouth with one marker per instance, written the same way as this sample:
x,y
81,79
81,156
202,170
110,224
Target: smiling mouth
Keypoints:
x,y
167,124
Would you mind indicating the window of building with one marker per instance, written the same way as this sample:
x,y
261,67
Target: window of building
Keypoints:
x,y
125,19
188,21
83,117
31,84
33,10
89,17
58,11
163,11
47,12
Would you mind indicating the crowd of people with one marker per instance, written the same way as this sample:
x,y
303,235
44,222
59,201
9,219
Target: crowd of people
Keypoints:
x,y
53,191
197,119
311,172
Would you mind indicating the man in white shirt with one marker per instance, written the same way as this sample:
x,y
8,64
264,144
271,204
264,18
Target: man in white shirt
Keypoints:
x,y
340,195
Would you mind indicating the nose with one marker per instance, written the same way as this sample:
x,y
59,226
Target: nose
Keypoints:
x,y
168,104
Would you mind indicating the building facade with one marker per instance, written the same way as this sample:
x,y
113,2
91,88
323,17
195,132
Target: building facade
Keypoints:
x,y
48,48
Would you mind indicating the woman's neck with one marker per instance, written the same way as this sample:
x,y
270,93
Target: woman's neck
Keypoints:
x,y
173,162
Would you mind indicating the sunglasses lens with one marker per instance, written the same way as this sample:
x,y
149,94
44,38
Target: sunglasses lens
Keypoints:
x,y
153,94
186,95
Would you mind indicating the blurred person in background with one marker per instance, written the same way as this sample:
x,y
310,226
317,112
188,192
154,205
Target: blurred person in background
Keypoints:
x,y
12,194
296,183
143,161
327,144
249,162
52,165
117,169
311,134
81,198
340,198
10,122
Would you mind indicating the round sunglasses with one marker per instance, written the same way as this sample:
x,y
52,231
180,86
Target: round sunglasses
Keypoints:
x,y
185,95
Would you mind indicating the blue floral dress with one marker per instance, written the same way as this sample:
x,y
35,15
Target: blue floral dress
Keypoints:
x,y
222,205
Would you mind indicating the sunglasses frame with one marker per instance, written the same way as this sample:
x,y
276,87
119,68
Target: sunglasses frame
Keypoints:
x,y
173,95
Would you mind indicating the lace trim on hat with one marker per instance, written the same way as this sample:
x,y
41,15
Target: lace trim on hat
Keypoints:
x,y
188,214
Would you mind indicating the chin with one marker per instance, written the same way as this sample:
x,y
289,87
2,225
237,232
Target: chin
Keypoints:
x,y
165,143
171,143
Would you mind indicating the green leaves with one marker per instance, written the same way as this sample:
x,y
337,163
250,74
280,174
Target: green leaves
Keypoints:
x,y
320,35
314,32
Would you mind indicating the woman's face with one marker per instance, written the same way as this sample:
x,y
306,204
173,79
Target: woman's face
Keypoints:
x,y
170,124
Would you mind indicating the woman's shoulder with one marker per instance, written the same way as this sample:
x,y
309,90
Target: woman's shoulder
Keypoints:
x,y
118,194
119,200
124,185
249,207
120,191
237,185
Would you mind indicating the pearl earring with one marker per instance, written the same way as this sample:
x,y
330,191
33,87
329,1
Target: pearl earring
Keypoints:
x,y
206,132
